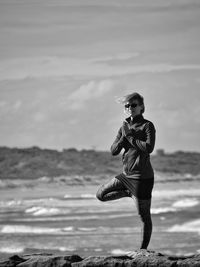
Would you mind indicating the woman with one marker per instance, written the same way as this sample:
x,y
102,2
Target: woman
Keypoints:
x,y
136,137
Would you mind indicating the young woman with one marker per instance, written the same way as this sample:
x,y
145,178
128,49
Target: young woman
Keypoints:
x,y
136,137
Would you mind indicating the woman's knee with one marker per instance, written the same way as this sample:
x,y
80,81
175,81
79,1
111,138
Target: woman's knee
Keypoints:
x,y
106,188
99,194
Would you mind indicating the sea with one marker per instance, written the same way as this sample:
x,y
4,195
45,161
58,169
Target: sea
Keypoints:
x,y
51,216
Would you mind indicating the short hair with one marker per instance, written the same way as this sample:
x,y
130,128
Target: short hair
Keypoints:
x,y
132,96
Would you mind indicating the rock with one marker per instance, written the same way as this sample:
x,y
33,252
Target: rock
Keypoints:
x,y
12,261
138,259
41,260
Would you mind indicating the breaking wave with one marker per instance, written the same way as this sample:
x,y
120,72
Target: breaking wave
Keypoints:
x,y
191,226
42,211
186,203
190,192
162,210
176,206
12,249
81,196
24,229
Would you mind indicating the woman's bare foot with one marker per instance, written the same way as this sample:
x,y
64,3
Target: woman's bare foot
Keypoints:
x,y
140,252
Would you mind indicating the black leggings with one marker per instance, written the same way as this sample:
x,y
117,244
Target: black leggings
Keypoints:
x,y
115,189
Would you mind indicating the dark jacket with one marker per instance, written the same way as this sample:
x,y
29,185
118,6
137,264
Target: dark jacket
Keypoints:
x,y
137,145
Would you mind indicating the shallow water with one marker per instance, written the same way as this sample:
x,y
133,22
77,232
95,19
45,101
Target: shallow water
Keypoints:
x,y
53,217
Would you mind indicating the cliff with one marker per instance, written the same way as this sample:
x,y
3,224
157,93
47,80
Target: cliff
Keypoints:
x,y
141,259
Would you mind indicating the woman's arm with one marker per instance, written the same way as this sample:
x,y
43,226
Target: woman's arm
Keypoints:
x,y
147,145
118,143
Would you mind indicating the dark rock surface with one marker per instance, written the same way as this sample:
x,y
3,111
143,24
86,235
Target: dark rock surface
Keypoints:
x,y
140,259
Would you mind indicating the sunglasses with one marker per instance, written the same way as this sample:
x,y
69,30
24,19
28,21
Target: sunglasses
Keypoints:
x,y
134,105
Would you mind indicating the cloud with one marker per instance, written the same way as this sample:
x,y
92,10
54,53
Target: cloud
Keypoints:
x,y
115,58
17,105
92,90
39,117
10,107
19,69
3,104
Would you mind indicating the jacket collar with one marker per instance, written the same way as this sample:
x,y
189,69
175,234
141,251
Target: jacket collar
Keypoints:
x,y
135,119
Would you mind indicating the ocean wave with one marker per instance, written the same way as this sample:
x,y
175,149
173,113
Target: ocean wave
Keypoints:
x,y
118,251
27,202
81,196
10,203
162,210
42,211
98,249
88,196
165,177
39,200
64,248
72,218
191,226
12,249
186,203
108,230
87,229
67,196
176,206
48,211
53,247
191,192
15,183
24,229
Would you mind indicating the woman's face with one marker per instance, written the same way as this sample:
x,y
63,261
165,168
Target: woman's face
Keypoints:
x,y
133,108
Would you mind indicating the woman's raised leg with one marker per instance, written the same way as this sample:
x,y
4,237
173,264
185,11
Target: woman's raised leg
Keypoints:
x,y
112,190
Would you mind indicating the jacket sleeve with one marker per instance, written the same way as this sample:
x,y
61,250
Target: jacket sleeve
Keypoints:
x,y
146,146
117,145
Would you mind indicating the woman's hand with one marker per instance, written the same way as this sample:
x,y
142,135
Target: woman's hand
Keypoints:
x,y
125,130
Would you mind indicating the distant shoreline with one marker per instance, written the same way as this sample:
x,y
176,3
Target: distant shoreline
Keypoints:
x,y
34,163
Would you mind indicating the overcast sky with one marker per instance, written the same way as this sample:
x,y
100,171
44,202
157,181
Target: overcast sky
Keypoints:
x,y
63,63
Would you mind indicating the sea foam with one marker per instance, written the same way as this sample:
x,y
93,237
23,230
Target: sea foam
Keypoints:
x,y
11,249
176,206
81,196
191,226
42,211
162,210
186,203
118,251
176,193
24,229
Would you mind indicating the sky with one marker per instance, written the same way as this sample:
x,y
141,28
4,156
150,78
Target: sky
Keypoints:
x,y
63,64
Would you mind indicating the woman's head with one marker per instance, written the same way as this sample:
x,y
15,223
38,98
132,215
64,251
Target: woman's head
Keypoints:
x,y
133,104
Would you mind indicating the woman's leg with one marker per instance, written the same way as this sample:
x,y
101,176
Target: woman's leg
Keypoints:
x,y
112,190
143,207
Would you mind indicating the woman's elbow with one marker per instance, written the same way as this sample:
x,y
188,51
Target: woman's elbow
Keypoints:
x,y
114,152
150,148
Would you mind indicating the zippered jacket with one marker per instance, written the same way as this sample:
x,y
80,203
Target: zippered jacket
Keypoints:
x,y
138,144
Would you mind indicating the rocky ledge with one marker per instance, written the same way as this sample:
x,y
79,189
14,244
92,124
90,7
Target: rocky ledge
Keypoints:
x,y
137,259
